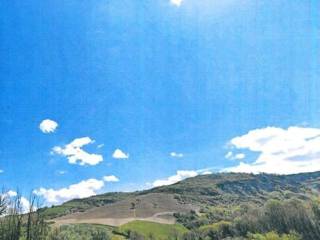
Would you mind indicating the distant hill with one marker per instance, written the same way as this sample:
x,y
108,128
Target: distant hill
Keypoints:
x,y
193,194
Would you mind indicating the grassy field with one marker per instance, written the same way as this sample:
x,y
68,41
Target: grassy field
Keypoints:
x,y
157,230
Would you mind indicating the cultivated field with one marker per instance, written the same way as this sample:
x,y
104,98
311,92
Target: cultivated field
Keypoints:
x,y
153,207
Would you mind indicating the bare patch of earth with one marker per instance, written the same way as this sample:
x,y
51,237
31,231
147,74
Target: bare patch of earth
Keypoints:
x,y
154,207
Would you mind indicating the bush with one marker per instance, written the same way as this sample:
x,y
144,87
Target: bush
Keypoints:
x,y
274,236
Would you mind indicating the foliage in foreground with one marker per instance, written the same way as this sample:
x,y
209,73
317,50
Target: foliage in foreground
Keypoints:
x,y
80,232
151,230
292,219
274,236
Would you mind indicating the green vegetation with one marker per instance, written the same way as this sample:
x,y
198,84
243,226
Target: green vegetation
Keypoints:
x,y
81,205
207,191
232,206
150,230
274,236
232,189
81,231
291,219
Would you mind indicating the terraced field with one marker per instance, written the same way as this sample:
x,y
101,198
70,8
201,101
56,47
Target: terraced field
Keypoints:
x,y
152,207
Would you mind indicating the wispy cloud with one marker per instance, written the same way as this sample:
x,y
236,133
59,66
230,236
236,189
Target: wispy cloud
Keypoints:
x,y
62,172
76,155
176,155
100,145
119,154
238,156
48,126
281,151
176,2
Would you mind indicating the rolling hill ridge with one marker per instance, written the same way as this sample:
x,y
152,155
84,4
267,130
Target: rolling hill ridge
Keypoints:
x,y
195,194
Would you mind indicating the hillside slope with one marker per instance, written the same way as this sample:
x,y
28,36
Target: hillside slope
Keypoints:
x,y
159,204
153,207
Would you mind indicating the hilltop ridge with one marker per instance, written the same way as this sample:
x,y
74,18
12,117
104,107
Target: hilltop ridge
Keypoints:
x,y
193,194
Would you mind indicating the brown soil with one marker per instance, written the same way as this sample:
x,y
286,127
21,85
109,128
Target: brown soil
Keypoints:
x,y
155,207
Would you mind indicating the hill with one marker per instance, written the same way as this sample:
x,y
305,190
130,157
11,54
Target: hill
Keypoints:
x,y
198,194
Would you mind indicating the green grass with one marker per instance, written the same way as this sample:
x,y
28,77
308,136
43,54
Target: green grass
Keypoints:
x,y
157,230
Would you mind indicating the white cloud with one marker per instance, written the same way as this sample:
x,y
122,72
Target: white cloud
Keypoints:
x,y
25,205
176,2
1,171
48,126
11,193
110,178
176,155
76,155
239,156
282,151
100,145
119,154
232,156
206,173
82,189
181,175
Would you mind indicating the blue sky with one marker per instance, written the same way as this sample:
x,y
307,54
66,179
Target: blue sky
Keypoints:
x,y
168,84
